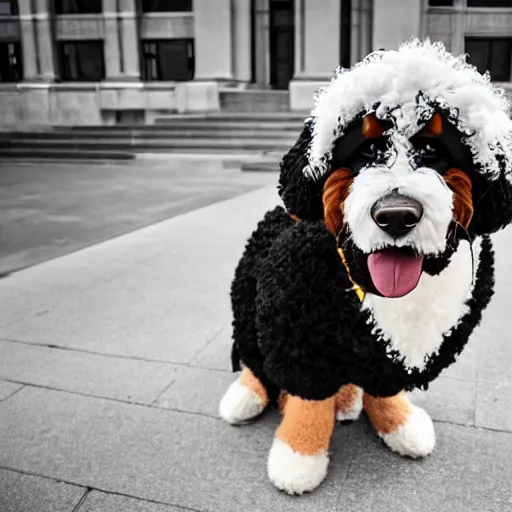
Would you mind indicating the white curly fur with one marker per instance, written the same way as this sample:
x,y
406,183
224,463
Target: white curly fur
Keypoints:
x,y
394,79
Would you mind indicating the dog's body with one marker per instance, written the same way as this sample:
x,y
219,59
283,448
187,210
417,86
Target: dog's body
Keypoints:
x,y
371,279
299,325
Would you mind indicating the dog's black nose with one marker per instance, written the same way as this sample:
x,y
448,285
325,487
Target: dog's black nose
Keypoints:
x,y
397,214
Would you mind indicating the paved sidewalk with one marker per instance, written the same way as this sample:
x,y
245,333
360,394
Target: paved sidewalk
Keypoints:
x,y
113,360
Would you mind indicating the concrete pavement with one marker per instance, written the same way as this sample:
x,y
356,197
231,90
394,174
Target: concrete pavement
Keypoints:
x,y
113,360
48,209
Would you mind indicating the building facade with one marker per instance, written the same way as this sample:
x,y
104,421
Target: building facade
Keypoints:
x,y
65,62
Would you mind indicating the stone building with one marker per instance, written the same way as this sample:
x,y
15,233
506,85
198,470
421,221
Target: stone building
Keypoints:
x,y
112,61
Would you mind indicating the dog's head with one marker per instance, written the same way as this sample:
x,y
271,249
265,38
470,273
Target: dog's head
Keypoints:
x,y
405,154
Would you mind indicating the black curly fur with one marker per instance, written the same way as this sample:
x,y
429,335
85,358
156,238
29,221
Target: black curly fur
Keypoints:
x,y
302,196
299,325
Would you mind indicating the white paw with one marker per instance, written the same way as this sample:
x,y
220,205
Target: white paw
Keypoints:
x,y
355,410
294,473
240,404
415,438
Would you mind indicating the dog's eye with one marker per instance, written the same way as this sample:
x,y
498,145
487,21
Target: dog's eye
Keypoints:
x,y
372,148
428,153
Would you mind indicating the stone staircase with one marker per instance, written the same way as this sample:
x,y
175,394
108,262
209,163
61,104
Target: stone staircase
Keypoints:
x,y
240,133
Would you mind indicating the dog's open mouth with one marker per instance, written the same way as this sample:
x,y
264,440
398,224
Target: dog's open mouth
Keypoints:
x,y
395,272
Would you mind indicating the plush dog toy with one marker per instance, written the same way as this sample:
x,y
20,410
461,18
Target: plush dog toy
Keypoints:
x,y
371,279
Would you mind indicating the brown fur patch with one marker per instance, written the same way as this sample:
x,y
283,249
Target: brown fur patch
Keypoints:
x,y
461,186
336,190
387,414
372,128
307,425
346,398
434,127
248,379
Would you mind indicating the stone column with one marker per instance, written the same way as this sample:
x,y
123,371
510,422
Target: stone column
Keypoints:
x,y
130,40
262,42
111,46
317,49
213,40
45,40
28,41
242,39
457,39
395,21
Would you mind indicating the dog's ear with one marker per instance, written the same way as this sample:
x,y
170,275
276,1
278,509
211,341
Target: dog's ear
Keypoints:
x,y
301,194
492,202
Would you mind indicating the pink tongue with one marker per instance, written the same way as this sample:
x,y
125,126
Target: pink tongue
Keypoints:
x,y
394,273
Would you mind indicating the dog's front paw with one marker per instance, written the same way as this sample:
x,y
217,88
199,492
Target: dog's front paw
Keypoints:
x,y
293,472
240,404
415,438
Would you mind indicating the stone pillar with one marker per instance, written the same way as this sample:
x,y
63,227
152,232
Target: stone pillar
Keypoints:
x,y
361,37
262,42
213,40
242,39
111,46
395,21
45,41
314,62
457,39
130,40
122,41
28,41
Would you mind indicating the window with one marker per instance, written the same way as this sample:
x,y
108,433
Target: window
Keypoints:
x,y
78,6
166,5
493,55
440,3
82,61
11,67
171,60
489,3
8,8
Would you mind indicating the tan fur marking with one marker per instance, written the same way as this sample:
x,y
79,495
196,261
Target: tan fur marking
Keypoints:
x,y
434,127
307,425
461,186
336,190
387,414
372,129
248,379
346,398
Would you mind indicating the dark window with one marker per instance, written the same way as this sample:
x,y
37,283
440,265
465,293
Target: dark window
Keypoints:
x,y
166,5
11,67
78,6
171,60
282,43
8,8
346,32
489,3
493,55
440,3
82,62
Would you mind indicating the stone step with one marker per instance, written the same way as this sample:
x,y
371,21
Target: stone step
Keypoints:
x,y
254,100
261,166
134,135
189,124
261,145
236,116
70,154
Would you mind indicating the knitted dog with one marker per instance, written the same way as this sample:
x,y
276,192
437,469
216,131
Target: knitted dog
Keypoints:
x,y
371,279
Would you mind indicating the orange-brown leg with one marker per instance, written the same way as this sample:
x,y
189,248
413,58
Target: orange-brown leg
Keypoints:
x,y
245,399
298,458
349,403
404,427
